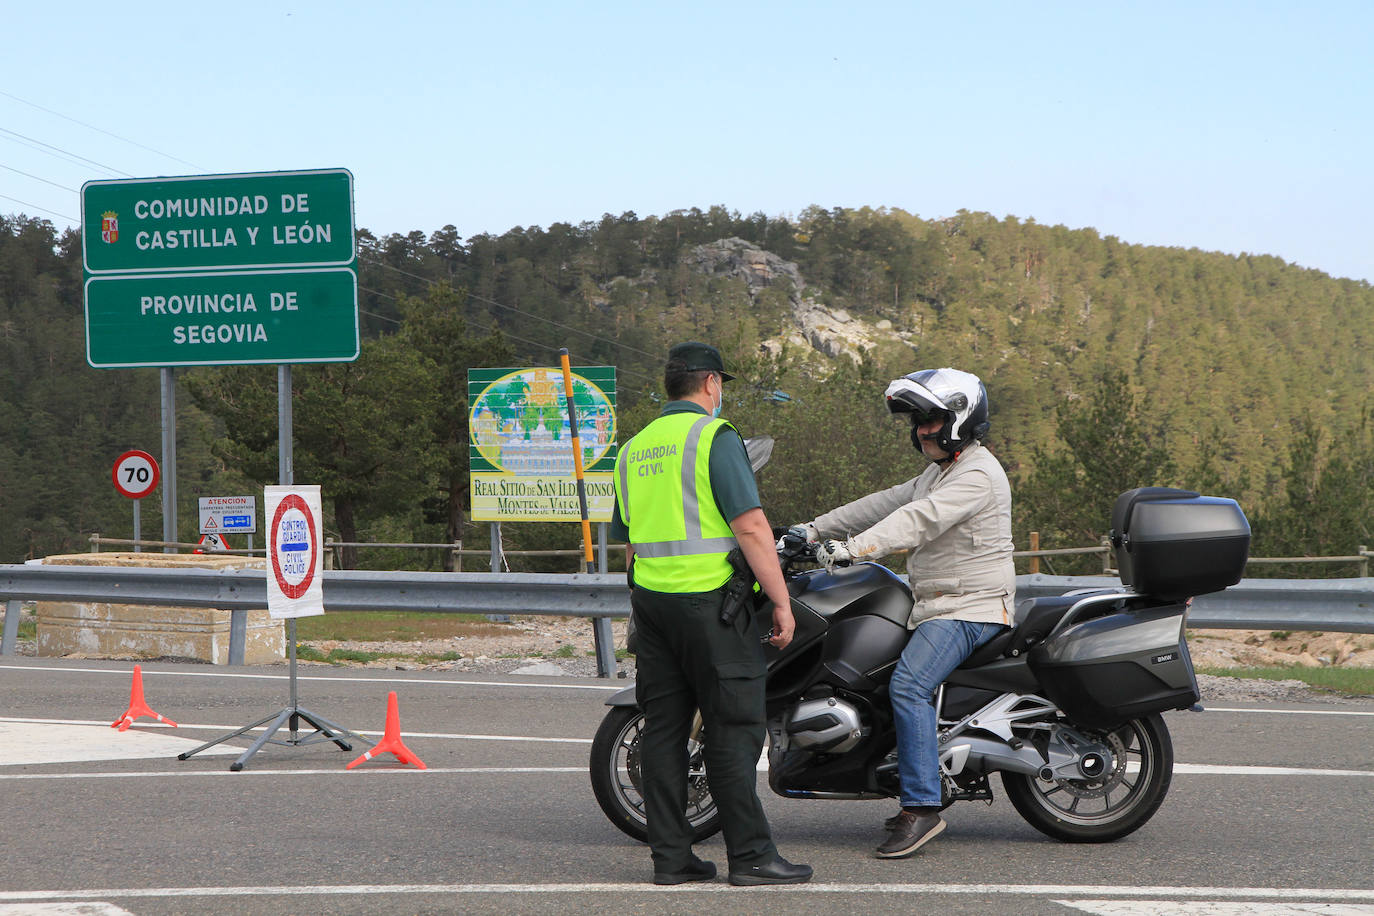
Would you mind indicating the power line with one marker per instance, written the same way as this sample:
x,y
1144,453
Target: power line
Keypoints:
x,y
65,158
380,263
31,140
38,178
100,130
44,209
520,311
493,328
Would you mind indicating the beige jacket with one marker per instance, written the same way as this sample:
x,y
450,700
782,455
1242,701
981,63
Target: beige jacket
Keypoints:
x,y
957,525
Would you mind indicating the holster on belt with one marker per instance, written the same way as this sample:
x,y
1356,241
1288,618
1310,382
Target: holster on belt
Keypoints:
x,y
739,588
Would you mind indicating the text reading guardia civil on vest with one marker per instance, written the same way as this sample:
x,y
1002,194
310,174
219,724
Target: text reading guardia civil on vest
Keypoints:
x,y
656,451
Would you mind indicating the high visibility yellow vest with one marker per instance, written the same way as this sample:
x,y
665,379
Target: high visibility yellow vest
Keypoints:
x,y
663,485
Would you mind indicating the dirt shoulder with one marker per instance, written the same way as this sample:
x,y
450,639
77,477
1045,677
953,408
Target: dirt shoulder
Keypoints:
x,y
1267,649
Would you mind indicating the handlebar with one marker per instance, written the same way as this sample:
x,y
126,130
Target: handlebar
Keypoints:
x,y
793,548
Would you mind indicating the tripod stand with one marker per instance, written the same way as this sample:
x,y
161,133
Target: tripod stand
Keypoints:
x,y
293,713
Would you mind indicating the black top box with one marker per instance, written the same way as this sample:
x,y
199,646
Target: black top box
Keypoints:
x,y
1177,543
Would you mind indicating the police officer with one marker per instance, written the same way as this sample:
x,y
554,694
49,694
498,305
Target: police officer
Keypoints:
x,y
685,497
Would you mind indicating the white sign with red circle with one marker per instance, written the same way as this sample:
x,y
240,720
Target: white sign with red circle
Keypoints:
x,y
136,474
294,585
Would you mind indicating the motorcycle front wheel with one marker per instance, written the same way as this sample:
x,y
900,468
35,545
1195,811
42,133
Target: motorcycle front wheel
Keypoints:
x,y
616,780
1111,806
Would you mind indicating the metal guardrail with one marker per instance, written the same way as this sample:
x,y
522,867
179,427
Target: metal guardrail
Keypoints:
x,y
331,548
1107,554
594,595
1335,605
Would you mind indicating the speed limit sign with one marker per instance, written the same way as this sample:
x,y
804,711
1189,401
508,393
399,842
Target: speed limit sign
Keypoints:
x,y
136,474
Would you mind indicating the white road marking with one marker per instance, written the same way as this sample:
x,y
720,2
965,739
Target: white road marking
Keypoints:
x,y
432,682
1290,712
1304,896
1203,769
1213,908
610,686
92,908
394,769
30,743
147,723
434,771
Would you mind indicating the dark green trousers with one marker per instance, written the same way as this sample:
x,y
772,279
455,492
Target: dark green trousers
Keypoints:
x,y
686,660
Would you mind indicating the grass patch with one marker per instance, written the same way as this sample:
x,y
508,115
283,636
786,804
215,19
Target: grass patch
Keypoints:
x,y
310,654
339,656
353,655
564,651
446,657
381,626
1348,681
28,629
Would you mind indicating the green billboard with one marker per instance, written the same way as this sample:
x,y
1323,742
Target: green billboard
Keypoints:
x,y
520,456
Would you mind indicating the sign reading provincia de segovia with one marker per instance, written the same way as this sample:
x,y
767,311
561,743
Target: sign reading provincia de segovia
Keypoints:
x,y
220,269
520,445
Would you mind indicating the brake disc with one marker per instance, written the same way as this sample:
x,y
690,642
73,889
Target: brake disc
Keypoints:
x,y
697,786
1099,787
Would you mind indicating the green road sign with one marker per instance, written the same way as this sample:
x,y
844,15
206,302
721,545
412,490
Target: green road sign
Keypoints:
x,y
222,317
208,222
220,269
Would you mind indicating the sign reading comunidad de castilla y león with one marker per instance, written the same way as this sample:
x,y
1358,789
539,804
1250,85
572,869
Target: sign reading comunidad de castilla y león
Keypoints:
x,y
220,269
520,443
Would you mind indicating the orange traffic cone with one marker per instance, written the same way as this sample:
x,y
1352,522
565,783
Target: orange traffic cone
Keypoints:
x,y
137,705
391,742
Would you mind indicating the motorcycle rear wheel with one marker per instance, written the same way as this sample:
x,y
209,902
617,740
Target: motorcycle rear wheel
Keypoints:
x,y
616,779
1110,807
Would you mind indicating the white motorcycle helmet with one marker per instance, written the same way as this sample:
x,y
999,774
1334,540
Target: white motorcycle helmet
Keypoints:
x,y
959,397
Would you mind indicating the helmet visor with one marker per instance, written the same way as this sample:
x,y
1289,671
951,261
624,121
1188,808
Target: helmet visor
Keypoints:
x,y
921,417
909,397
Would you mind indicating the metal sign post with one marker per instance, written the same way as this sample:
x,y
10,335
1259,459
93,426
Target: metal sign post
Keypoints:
x,y
294,589
214,270
167,383
136,475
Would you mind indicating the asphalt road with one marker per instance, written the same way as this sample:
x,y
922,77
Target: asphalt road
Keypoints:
x,y
1269,811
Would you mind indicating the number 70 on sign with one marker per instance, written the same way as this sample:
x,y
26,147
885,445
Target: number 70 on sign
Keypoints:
x,y
136,474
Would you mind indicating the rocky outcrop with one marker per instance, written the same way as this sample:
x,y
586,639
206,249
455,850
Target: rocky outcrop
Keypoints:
x,y
736,259
811,325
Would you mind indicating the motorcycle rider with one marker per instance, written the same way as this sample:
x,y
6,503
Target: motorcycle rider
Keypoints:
x,y
955,519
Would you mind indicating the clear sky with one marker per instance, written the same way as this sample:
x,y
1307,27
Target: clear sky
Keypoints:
x,y
1238,127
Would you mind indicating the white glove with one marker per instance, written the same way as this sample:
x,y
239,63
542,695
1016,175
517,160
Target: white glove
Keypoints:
x,y
812,535
834,553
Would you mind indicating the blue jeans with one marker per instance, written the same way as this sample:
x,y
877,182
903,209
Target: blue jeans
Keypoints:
x,y
936,648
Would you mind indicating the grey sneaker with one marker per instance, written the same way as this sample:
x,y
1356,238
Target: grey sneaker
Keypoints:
x,y
910,833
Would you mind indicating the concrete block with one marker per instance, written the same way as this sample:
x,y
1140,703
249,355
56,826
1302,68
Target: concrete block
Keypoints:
x,y
101,630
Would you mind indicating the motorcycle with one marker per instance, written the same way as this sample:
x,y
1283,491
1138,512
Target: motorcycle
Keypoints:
x,y
1064,706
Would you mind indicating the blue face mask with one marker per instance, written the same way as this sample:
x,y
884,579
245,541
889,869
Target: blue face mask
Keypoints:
x,y
715,411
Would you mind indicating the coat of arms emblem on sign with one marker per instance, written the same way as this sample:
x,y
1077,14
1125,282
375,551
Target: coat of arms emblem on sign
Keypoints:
x,y
109,227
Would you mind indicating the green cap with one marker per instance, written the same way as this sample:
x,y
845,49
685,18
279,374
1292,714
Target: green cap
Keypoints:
x,y
700,356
